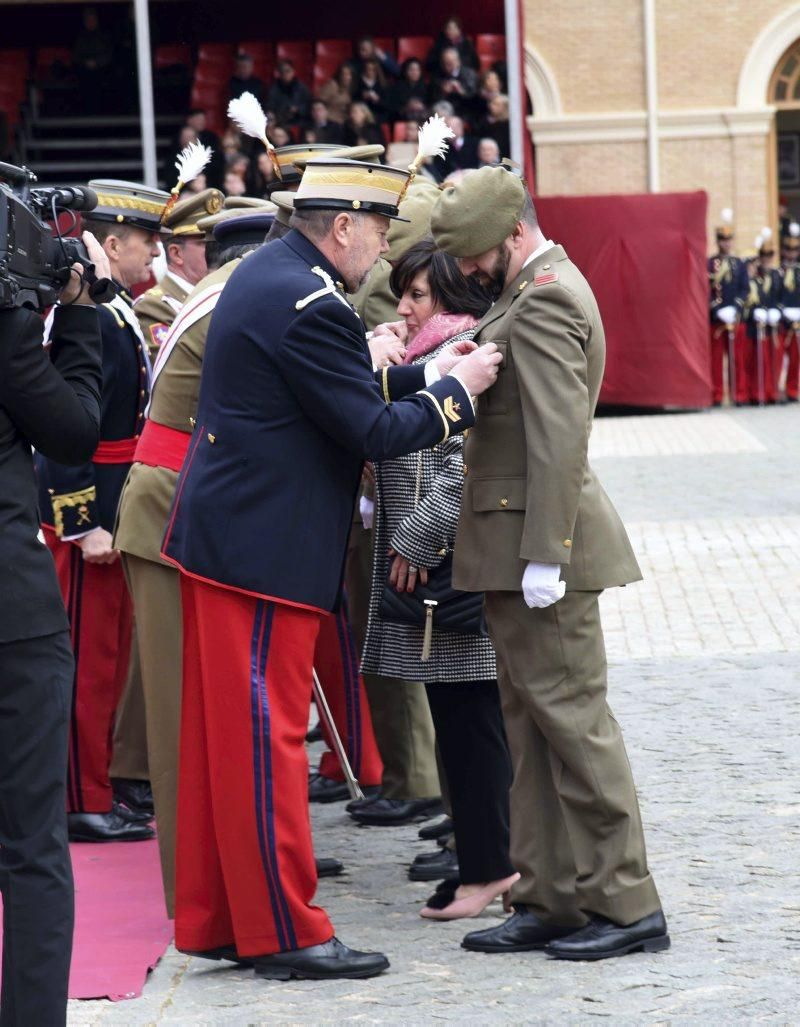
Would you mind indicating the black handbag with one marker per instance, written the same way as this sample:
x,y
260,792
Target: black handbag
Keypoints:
x,y
436,604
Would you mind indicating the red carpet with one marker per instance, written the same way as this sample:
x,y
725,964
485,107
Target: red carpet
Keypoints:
x,y
121,926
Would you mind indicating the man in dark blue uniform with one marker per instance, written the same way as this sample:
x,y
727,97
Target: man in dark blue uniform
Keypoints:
x,y
78,506
289,410
728,289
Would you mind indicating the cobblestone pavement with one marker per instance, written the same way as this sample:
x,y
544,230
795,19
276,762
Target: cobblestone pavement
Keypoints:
x,y
705,678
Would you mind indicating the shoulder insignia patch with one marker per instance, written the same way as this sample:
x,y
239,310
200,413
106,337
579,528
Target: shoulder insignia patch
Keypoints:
x,y
158,333
546,278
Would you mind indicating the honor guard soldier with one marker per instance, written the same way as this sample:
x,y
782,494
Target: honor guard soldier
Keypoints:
x,y
289,409
728,287
762,320
790,314
185,249
533,511
78,506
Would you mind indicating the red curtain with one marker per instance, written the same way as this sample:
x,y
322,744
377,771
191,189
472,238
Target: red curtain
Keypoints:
x,y
645,258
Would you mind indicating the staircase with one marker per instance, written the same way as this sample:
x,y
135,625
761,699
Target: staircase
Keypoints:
x,y
77,149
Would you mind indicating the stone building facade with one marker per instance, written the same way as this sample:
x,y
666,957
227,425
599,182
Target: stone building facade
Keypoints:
x,y
725,83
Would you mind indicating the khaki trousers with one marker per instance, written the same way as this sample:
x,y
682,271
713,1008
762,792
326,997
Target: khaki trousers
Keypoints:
x,y
576,832
129,758
401,717
155,589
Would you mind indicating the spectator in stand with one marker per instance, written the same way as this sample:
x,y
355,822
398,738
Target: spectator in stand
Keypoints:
x,y
92,59
288,97
495,125
452,35
197,185
366,50
490,87
411,89
279,136
455,82
371,89
232,142
338,93
360,128
215,169
244,81
462,152
239,164
488,153
234,184
262,176
185,136
323,128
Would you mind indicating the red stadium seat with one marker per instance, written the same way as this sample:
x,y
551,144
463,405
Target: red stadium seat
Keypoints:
x,y
170,54
386,44
212,74
333,50
47,56
14,62
10,99
490,48
215,53
399,132
413,46
259,49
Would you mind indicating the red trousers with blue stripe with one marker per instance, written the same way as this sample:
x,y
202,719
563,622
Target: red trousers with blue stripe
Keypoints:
x,y
101,619
336,661
245,860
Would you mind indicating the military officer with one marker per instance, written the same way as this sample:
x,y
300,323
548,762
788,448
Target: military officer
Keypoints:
x,y
790,315
533,512
762,317
289,408
157,308
78,507
728,289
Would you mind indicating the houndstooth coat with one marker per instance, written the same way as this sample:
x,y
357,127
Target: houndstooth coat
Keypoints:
x,y
423,533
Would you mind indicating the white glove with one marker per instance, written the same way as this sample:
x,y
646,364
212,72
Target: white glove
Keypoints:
x,y
791,314
773,316
727,315
760,316
541,586
366,508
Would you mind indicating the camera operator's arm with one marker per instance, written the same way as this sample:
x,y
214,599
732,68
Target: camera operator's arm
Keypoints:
x,y
53,399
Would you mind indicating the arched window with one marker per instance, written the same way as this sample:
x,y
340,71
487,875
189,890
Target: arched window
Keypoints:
x,y
785,85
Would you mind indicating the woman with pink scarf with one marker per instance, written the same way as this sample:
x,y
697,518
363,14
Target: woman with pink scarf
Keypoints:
x,y
417,502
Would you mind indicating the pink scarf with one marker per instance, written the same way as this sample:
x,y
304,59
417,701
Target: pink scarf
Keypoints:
x,y
435,331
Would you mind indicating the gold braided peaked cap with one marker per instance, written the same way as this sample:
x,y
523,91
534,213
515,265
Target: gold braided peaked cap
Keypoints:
x,y
129,203
334,183
292,159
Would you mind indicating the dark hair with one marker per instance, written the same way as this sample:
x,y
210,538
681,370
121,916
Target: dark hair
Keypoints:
x,y
407,64
102,229
450,290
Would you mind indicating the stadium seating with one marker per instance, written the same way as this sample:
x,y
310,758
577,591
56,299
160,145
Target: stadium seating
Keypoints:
x,y
413,46
299,52
490,48
171,54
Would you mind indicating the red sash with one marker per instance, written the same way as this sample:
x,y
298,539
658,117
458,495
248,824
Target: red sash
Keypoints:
x,y
118,452
160,446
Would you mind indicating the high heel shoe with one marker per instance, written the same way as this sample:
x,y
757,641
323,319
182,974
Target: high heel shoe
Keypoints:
x,y
470,905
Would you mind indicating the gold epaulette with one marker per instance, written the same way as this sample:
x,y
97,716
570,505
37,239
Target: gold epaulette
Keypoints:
x,y
116,313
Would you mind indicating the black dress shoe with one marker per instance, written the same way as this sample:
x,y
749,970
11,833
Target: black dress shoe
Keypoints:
x,y
223,952
440,829
371,793
320,963
106,827
129,814
436,870
315,733
390,812
329,867
522,932
136,795
428,857
325,789
602,939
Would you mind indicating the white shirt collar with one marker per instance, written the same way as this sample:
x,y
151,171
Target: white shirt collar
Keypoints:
x,y
181,281
546,245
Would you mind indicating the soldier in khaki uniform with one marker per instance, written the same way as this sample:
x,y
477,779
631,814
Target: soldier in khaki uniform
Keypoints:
x,y
155,311
533,512
157,308
141,521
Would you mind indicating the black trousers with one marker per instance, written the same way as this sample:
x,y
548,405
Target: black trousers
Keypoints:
x,y
35,869
474,753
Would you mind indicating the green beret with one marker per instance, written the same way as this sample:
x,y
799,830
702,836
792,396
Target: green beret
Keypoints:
x,y
417,207
479,213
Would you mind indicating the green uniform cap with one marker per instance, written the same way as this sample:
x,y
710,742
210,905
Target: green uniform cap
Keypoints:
x,y
417,207
479,213
240,202
191,209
